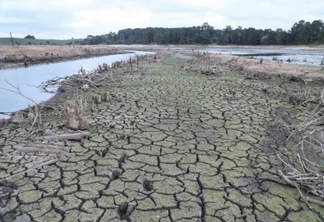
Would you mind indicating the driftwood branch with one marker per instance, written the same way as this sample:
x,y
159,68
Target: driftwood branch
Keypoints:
x,y
17,91
66,136
43,148
89,81
36,113
312,183
55,82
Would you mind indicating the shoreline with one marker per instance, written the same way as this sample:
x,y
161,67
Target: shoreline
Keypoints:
x,y
24,56
294,47
237,62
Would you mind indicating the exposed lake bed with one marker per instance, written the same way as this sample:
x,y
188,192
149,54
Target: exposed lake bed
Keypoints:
x,y
202,128
29,79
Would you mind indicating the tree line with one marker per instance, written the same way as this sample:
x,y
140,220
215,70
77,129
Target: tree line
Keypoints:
x,y
302,32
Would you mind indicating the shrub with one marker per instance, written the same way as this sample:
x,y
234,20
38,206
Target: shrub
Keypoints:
x,y
30,37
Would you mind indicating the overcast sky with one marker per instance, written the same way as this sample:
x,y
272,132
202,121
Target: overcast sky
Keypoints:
x,y
64,19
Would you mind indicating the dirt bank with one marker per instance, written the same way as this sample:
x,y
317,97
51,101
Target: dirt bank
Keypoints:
x,y
252,65
172,144
243,63
28,55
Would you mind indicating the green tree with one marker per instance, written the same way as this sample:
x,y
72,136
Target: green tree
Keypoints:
x,y
281,37
316,32
302,32
30,37
269,38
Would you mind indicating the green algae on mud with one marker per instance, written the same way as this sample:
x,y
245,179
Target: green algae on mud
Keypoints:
x,y
203,141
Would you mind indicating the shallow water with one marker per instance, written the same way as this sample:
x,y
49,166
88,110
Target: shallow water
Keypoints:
x,y
29,78
311,57
304,57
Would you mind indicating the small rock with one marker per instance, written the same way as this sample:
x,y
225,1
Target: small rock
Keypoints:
x,y
122,210
122,158
147,185
121,137
104,152
85,86
115,175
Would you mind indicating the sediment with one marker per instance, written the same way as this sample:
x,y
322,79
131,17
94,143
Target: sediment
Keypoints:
x,y
24,56
174,143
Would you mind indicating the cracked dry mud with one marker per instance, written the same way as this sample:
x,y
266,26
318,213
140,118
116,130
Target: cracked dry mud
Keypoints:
x,y
170,146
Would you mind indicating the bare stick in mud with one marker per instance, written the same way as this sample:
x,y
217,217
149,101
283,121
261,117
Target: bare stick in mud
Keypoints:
x,y
43,148
12,43
66,136
72,120
35,112
131,64
55,82
17,91
310,138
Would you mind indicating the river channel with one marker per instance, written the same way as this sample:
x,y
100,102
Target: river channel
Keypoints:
x,y
28,79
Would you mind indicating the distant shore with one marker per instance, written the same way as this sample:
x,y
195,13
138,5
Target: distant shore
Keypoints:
x,y
23,56
310,47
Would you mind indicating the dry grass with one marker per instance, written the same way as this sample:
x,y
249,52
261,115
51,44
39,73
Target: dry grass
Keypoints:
x,y
254,65
41,51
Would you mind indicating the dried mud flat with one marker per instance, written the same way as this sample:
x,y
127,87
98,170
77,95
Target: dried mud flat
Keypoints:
x,y
171,145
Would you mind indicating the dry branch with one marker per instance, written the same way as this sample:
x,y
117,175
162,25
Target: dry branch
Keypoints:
x,y
66,136
88,81
34,113
312,183
17,91
55,82
43,148
311,140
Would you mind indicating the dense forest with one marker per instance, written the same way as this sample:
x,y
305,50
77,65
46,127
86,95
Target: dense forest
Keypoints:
x,y
302,32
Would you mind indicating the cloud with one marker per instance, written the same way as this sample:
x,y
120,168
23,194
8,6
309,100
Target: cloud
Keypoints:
x,y
13,20
40,5
79,18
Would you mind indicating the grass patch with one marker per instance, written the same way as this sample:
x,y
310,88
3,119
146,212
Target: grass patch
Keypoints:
x,y
22,41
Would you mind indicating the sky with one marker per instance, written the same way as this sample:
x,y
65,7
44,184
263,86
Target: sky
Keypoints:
x,y
66,19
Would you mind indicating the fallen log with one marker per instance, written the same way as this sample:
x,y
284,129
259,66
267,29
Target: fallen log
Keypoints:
x,y
66,136
43,148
